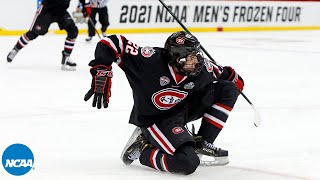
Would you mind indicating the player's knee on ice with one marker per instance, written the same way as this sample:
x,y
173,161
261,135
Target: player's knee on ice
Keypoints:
x,y
185,160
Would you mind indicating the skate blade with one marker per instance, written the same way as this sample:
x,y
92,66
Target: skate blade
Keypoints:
x,y
68,68
213,161
133,137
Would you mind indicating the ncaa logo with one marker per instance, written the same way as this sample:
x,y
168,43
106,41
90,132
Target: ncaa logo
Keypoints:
x,y
164,80
17,159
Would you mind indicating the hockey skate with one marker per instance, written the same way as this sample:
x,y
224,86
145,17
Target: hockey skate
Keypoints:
x,y
135,145
12,54
88,39
104,34
67,64
209,154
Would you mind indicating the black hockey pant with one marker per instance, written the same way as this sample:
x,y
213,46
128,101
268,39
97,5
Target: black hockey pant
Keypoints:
x,y
173,147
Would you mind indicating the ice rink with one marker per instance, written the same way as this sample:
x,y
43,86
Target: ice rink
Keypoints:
x,y
43,108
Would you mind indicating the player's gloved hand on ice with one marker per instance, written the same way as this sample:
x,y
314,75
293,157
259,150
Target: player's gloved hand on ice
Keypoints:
x,y
100,86
86,10
230,75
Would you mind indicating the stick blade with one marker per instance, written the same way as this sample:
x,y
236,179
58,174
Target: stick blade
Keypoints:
x,y
257,117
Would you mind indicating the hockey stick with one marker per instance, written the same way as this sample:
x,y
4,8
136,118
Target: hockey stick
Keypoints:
x,y
90,20
257,118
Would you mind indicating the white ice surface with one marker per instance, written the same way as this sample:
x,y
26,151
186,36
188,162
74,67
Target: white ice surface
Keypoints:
x,y
43,108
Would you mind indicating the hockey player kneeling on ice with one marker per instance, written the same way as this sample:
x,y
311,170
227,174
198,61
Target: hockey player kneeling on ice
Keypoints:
x,y
51,11
171,87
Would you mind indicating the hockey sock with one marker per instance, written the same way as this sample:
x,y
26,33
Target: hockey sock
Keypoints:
x,y
184,161
208,131
22,42
155,159
68,45
213,121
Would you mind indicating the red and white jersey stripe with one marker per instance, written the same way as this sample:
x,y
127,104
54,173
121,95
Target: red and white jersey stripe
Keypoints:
x,y
213,120
225,109
164,163
153,160
161,139
107,41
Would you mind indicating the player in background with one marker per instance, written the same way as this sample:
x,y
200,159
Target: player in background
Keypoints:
x,y
51,11
98,7
171,86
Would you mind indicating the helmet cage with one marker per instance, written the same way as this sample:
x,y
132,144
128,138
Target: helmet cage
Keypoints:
x,y
179,52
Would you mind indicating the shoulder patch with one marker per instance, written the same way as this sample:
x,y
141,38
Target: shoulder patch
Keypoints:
x,y
209,65
147,51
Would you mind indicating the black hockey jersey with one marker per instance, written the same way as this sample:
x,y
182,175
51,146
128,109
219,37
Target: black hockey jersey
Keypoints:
x,y
157,89
57,7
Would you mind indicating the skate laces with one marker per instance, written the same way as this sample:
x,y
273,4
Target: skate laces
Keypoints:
x,y
141,138
144,143
141,143
134,155
211,146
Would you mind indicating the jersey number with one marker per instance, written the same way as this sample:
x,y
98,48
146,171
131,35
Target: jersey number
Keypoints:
x,y
132,48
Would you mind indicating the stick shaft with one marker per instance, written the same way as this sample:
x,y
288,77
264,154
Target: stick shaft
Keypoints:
x,y
90,20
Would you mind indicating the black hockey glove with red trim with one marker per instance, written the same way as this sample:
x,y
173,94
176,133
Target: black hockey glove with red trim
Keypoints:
x,y
86,10
230,75
100,86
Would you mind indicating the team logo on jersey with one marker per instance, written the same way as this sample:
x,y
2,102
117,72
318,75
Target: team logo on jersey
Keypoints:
x,y
177,130
167,98
164,80
189,85
147,51
209,65
180,40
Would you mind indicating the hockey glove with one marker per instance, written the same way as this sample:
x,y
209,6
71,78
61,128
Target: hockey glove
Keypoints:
x,y
100,86
230,75
86,10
